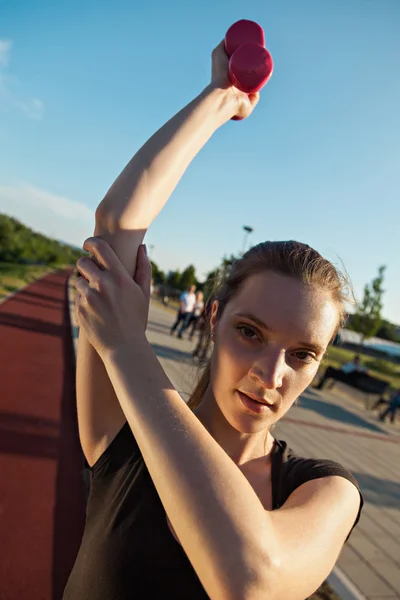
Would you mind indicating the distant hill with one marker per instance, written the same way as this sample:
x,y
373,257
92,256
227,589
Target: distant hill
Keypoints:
x,y
20,244
78,248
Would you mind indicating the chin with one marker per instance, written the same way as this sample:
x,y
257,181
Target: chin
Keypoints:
x,y
245,422
250,425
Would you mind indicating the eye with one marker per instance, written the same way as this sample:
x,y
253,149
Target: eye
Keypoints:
x,y
247,332
305,356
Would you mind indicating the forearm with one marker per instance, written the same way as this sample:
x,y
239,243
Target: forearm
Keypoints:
x,y
146,183
215,512
122,219
99,414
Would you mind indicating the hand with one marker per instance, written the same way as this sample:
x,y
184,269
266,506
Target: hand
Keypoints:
x,y
245,103
111,307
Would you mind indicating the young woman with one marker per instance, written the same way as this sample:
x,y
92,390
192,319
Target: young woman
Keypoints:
x,y
199,500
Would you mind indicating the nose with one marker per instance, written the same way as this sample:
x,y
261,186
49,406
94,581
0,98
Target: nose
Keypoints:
x,y
269,370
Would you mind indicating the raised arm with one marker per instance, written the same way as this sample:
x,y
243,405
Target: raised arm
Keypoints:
x,y
124,215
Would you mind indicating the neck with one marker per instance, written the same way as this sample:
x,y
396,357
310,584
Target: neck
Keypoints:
x,y
241,447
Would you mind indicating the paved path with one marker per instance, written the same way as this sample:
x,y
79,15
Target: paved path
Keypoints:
x,y
329,424
41,491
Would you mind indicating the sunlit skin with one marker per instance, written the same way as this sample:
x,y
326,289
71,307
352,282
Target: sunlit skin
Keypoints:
x,y
276,362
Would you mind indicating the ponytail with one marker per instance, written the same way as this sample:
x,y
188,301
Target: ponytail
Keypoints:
x,y
201,387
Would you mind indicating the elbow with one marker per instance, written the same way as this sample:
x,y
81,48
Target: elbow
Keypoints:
x,y
107,221
112,218
258,580
105,218
101,211
267,581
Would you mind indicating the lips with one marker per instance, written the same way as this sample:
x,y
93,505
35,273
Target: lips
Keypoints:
x,y
260,400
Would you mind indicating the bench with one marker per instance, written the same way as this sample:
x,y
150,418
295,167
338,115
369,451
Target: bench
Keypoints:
x,y
371,386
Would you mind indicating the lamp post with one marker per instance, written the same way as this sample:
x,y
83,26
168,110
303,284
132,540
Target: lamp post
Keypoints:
x,y
247,231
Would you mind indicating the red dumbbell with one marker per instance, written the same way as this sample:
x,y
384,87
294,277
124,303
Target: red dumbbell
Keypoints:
x,y
250,63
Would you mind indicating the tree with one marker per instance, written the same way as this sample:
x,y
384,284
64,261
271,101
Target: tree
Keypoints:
x,y
388,331
367,319
174,280
188,277
216,275
158,275
19,244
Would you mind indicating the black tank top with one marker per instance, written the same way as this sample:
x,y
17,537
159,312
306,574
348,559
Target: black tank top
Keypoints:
x,y
128,551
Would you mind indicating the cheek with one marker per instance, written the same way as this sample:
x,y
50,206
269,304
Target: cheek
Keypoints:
x,y
230,363
310,372
296,382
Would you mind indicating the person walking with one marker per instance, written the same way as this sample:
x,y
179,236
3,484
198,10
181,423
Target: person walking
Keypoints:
x,y
393,407
194,317
187,301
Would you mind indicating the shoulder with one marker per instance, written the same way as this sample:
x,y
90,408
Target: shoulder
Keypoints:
x,y
320,481
296,470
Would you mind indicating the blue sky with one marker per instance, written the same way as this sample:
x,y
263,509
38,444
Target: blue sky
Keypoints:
x,y
83,85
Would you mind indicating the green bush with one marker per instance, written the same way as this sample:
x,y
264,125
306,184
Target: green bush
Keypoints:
x,y
383,366
19,244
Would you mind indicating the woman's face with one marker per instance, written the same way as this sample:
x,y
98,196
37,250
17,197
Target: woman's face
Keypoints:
x,y
268,345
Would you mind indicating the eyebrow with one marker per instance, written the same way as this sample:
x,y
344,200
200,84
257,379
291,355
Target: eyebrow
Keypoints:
x,y
316,347
256,320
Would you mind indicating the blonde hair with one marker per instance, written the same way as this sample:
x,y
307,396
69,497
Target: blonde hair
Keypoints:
x,y
289,258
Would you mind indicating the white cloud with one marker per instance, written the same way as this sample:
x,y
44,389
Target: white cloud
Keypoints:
x,y
55,216
31,107
5,49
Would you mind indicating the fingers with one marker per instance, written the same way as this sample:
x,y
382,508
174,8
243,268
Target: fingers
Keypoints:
x,y
254,98
83,290
90,270
82,286
86,297
220,48
103,253
143,272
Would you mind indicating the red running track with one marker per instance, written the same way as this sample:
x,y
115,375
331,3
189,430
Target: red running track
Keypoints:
x,y
41,485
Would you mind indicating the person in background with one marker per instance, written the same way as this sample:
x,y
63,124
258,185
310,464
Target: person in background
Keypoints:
x,y
194,317
337,374
187,301
394,405
353,365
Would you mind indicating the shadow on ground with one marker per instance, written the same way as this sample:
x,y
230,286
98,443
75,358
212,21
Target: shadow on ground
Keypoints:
x,y
166,330
30,302
52,284
158,326
30,324
173,354
381,492
30,294
28,435
336,413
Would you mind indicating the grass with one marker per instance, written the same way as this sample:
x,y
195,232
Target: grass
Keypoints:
x,y
15,276
377,367
325,592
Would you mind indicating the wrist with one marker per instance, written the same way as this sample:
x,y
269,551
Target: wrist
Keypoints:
x,y
135,351
136,365
223,99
